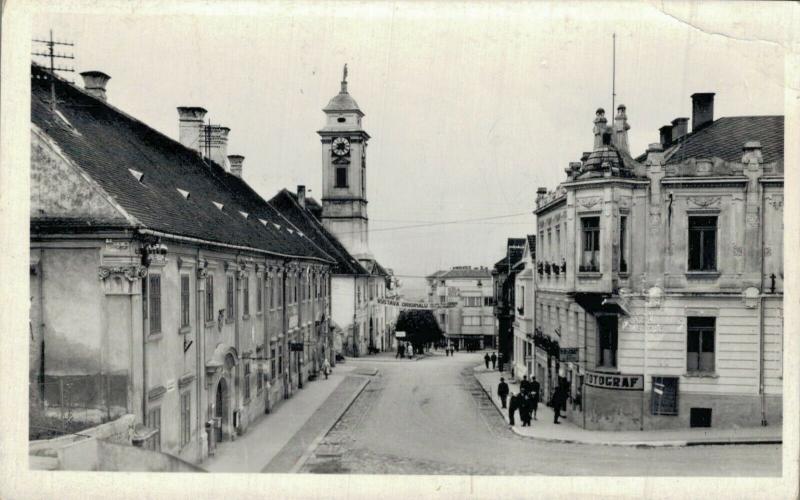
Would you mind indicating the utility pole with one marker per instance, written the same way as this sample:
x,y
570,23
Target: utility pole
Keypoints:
x,y
52,56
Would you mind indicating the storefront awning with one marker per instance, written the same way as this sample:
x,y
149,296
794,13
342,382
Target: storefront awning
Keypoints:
x,y
601,303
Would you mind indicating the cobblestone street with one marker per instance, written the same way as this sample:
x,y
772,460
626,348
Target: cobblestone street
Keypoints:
x,y
432,417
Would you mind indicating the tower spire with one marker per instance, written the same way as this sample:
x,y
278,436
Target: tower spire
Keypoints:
x,y
344,79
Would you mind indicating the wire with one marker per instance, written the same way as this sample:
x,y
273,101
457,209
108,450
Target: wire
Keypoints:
x,y
443,223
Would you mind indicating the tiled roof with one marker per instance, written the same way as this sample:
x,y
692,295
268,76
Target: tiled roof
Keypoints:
x,y
725,137
110,146
305,221
466,273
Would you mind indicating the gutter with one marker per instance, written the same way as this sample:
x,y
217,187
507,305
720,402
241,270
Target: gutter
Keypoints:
x,y
227,245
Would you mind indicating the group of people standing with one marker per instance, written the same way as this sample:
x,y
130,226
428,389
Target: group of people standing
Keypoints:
x,y
526,402
404,350
492,359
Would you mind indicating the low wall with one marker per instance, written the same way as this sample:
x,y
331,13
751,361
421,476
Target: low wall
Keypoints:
x,y
117,431
96,455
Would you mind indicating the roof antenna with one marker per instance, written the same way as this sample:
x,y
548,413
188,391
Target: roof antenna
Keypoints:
x,y
613,73
52,55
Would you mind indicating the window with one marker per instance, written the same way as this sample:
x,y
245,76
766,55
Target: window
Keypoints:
x,y
246,296
664,396
607,345
472,301
153,300
703,243
272,360
341,176
259,379
623,233
280,359
488,301
700,344
185,300
591,244
259,293
154,422
521,303
209,298
472,321
229,298
247,381
186,418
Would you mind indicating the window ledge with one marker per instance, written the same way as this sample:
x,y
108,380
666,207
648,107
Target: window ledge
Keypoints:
x,y
245,317
210,323
153,337
185,329
702,274
259,313
701,375
229,320
605,369
589,274
624,275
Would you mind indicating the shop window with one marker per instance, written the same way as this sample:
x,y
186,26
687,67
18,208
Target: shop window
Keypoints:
x,y
700,344
210,298
703,243
590,257
607,341
664,396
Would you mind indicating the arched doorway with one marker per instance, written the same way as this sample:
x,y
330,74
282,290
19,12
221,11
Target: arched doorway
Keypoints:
x,y
221,409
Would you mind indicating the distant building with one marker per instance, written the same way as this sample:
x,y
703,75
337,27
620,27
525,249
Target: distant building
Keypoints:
x,y
466,298
162,285
503,279
524,312
659,284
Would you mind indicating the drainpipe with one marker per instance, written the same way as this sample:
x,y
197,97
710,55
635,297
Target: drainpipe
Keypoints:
x,y
761,316
41,327
144,352
199,345
585,367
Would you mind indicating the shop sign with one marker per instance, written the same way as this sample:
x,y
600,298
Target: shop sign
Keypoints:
x,y
400,334
613,381
568,354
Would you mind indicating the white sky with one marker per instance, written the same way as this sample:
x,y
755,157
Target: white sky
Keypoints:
x,y
471,107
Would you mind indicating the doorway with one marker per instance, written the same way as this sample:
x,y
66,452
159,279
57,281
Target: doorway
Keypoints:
x,y
221,409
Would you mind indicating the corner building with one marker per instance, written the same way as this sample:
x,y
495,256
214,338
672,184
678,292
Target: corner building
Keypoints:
x,y
660,278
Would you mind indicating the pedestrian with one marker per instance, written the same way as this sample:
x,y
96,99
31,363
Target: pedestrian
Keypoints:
x,y
513,405
400,351
486,360
558,402
525,386
494,360
525,408
534,387
326,368
502,391
500,361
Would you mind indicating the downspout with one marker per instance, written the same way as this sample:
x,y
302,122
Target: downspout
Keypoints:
x,y
144,352
761,315
199,347
585,367
41,327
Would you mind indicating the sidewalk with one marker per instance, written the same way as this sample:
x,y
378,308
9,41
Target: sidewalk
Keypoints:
x,y
565,432
267,438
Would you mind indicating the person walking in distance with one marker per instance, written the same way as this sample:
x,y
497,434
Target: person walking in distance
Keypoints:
x,y
513,405
525,409
486,360
502,391
326,368
494,360
534,389
558,402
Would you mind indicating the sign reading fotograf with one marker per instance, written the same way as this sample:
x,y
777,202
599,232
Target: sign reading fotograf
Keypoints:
x,y
612,381
415,305
568,354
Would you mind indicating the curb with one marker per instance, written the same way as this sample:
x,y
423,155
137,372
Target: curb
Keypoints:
x,y
315,443
635,444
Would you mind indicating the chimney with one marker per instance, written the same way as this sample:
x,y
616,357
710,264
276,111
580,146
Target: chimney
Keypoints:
x,y
665,135
679,128
599,127
621,128
219,144
301,195
190,126
702,109
236,164
94,82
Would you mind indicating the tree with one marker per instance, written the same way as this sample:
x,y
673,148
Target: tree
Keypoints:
x,y
420,326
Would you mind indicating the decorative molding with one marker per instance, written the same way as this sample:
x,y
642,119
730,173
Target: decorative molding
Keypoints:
x,y
117,245
590,202
704,201
131,273
156,392
202,269
776,200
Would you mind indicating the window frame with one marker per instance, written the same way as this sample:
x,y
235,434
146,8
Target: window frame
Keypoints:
x,y
185,417
613,339
259,294
230,297
590,237
154,304
623,235
702,331
186,297
209,293
703,231
341,177
246,296
154,417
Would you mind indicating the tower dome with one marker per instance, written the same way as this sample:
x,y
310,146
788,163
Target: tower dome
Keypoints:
x,y
343,101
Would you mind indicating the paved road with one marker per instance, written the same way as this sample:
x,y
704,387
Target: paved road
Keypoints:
x,y
431,417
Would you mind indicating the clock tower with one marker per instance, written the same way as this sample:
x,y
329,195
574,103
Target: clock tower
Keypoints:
x,y
344,173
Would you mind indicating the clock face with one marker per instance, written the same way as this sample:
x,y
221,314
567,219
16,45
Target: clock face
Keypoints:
x,y
340,146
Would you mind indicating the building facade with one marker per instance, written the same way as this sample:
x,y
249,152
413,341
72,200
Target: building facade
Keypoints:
x,y
162,285
504,275
660,279
466,298
524,310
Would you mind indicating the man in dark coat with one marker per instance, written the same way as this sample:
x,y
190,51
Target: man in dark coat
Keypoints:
x,y
534,390
502,391
494,360
486,360
513,405
559,396
524,385
525,410
500,361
